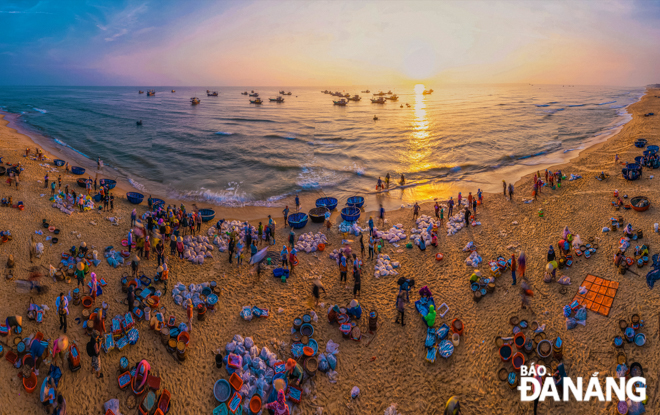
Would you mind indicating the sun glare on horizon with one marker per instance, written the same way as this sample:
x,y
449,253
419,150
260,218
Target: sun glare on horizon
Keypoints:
x,y
419,88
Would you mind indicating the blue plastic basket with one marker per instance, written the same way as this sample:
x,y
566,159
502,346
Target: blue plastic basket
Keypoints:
x,y
59,163
207,214
355,201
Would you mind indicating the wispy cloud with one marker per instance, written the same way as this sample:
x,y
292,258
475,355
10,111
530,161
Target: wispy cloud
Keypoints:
x,y
122,32
22,12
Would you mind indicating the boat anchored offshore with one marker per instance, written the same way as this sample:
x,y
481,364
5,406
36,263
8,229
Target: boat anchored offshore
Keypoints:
x,y
256,101
342,102
212,94
355,98
379,100
194,101
278,99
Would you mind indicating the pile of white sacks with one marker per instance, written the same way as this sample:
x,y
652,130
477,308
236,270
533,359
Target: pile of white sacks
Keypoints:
x,y
352,228
385,266
181,293
393,235
310,241
220,237
64,205
195,249
423,230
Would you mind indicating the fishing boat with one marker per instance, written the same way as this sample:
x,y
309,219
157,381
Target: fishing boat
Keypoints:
x,y
244,93
375,118
212,94
389,92
347,95
394,97
355,98
256,101
366,92
194,101
380,94
379,100
288,93
342,102
282,93
151,93
254,94
207,91
427,91
173,91
325,92
278,99
140,92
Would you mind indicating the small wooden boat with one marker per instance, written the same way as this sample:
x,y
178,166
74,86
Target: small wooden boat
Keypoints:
x,y
355,201
394,97
256,101
366,92
77,170
427,92
318,214
640,203
380,94
379,100
134,197
355,98
254,94
140,92
173,91
375,118
278,99
327,202
288,93
194,101
151,93
82,183
109,183
350,214
342,102
212,94
298,220
640,143
207,214
244,93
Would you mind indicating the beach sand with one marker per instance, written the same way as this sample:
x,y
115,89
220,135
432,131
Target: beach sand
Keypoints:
x,y
390,367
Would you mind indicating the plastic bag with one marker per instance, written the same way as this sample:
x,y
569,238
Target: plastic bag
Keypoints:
x,y
355,392
564,280
570,323
113,405
581,314
248,342
332,361
332,347
237,338
230,347
254,351
265,352
333,376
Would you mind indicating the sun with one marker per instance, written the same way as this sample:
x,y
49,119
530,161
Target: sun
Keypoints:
x,y
419,88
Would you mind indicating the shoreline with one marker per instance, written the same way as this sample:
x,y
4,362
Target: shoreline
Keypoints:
x,y
429,191
393,369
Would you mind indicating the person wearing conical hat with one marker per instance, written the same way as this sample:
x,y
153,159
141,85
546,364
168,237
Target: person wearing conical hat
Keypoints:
x,y
13,321
179,247
60,346
80,274
135,265
83,248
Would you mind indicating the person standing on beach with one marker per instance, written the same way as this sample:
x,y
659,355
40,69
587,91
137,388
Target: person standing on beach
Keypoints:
x,y
474,206
94,351
189,313
415,211
469,198
401,301
450,203
192,225
59,182
230,248
160,252
272,232
510,191
198,221
316,291
535,190
46,180
371,225
260,233
292,238
112,202
62,306
343,268
147,247
459,199
480,196
371,246
133,217
106,202
362,246
356,279
95,184
467,217
514,267
436,207
297,204
52,189
382,215
504,187
522,262
286,215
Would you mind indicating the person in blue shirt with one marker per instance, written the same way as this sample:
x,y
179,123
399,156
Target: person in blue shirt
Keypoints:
x,y
450,204
371,225
382,215
286,215
297,203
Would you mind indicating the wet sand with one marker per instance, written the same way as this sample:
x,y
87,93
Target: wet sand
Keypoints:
x,y
390,367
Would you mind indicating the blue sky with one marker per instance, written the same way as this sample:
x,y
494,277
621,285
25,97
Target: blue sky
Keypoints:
x,y
325,43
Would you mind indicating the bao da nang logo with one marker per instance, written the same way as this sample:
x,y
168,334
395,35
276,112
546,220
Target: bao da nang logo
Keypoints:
x,y
534,385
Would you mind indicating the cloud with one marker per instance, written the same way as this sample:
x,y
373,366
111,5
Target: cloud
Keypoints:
x,y
122,32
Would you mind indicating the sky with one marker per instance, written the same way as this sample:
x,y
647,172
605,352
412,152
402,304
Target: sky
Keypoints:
x,y
328,43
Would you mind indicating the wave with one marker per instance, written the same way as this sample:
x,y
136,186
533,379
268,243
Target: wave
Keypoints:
x,y
247,120
40,110
577,105
605,103
224,133
136,184
614,107
542,105
62,143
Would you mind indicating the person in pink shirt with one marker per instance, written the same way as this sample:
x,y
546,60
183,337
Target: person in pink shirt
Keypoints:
x,y
279,407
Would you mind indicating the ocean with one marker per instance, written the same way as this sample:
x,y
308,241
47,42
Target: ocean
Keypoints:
x,y
227,151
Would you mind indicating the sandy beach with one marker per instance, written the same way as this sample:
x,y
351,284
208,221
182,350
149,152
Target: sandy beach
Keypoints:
x,y
389,366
